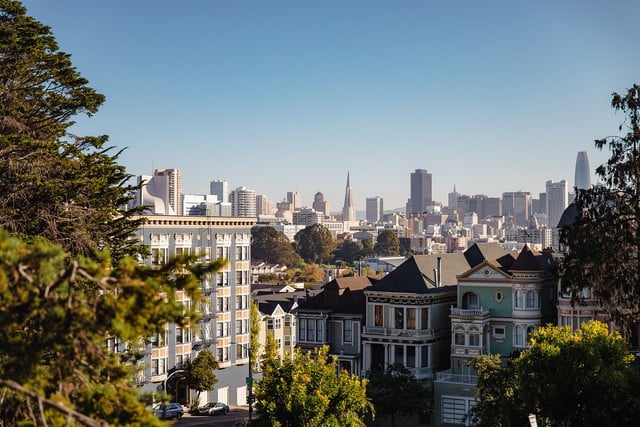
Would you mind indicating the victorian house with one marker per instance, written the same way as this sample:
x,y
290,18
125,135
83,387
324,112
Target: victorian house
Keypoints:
x,y
335,317
499,303
407,318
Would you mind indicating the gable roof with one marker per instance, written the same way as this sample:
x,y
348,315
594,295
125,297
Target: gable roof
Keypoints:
x,y
268,303
341,295
531,260
417,274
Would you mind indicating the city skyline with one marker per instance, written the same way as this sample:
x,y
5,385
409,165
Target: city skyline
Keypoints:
x,y
290,96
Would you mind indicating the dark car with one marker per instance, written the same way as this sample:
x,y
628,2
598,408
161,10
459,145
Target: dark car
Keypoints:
x,y
170,410
212,408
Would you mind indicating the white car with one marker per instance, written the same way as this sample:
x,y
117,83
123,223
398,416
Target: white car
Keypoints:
x,y
170,410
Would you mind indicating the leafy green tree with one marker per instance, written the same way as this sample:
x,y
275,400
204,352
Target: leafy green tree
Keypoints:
x,y
347,251
314,244
387,243
57,312
200,373
307,391
309,274
395,392
254,330
273,247
67,188
603,244
564,378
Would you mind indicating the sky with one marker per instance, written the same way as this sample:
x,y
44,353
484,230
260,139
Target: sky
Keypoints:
x,y
277,96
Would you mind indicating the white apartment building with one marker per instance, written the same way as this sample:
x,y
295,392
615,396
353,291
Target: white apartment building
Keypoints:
x,y
243,202
224,326
307,216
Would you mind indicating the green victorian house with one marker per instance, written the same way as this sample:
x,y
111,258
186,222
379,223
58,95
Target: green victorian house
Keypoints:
x,y
500,302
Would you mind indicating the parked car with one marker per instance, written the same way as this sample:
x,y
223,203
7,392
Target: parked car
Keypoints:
x,y
212,408
170,410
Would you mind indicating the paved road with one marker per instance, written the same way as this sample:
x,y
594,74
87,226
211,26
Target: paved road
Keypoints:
x,y
236,415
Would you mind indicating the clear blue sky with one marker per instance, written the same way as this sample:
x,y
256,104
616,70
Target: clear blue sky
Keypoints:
x,y
280,96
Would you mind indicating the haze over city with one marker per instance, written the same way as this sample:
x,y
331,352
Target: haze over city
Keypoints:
x,y
290,96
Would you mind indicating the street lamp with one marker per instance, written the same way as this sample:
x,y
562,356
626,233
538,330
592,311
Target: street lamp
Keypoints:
x,y
249,379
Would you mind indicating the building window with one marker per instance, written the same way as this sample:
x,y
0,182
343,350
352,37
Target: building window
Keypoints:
x,y
179,335
517,298
269,323
287,320
411,356
399,318
302,333
311,330
287,340
459,338
519,338
347,331
498,332
474,340
470,301
424,356
530,299
158,256
377,315
424,318
223,354
399,354
411,318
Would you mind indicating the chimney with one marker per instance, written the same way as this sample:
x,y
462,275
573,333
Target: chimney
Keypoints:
x,y
439,278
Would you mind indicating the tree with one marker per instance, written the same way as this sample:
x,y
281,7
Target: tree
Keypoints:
x,y
307,391
564,378
603,244
310,274
314,243
67,188
254,330
387,243
273,247
200,373
56,314
395,392
347,251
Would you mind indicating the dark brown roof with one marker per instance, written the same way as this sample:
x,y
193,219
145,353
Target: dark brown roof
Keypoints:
x,y
341,295
530,260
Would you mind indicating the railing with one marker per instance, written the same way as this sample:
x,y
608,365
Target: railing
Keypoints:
x,y
469,312
448,377
421,373
467,351
409,333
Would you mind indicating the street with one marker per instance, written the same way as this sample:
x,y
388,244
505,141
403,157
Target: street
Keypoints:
x,y
236,417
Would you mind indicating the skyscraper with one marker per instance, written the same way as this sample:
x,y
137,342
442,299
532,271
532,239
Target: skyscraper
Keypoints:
x,y
420,191
175,187
348,210
243,202
557,201
293,197
374,209
320,205
583,174
220,188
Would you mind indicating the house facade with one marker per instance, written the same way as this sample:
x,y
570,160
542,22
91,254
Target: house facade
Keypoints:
x,y
499,303
335,317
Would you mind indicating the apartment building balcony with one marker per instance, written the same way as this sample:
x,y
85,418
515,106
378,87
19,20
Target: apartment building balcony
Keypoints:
x,y
427,334
448,377
470,313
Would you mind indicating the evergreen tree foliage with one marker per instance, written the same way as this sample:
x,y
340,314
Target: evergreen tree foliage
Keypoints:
x,y
67,188
307,391
314,244
56,314
564,378
603,244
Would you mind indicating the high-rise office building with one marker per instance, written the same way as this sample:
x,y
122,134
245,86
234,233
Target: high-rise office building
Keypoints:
x,y
453,199
264,206
582,174
348,210
517,205
374,209
320,205
294,198
557,201
175,187
220,188
421,192
243,202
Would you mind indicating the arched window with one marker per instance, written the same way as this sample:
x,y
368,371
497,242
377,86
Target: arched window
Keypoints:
x,y
517,298
459,336
519,338
470,300
474,336
530,298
